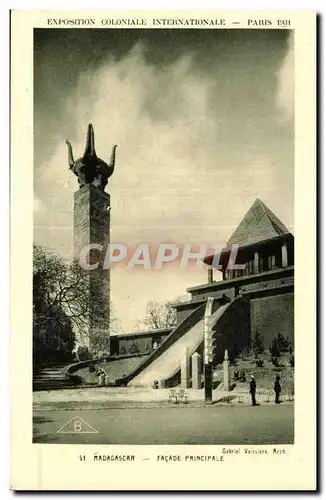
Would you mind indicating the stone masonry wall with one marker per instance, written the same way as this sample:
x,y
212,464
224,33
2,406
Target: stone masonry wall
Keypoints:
x,y
92,225
272,315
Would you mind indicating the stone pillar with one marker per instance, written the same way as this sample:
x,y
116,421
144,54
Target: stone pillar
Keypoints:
x,y
284,255
208,383
256,263
226,372
92,226
271,262
208,352
196,371
210,275
185,369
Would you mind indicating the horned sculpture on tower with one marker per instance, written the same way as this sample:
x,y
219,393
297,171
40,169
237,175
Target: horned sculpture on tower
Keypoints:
x,y
89,168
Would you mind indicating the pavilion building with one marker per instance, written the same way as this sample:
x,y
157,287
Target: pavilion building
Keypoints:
x,y
266,248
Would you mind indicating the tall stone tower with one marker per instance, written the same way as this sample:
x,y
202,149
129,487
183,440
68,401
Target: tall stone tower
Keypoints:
x,y
91,232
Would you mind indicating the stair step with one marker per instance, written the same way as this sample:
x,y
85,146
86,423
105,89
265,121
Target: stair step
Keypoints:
x,y
52,378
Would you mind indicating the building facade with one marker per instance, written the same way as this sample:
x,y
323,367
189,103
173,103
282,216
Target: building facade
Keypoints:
x,y
266,248
137,343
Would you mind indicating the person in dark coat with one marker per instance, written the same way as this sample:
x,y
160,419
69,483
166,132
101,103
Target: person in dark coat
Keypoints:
x,y
252,390
277,389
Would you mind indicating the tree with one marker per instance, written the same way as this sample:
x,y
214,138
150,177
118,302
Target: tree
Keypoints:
x,y
158,315
83,353
53,336
65,288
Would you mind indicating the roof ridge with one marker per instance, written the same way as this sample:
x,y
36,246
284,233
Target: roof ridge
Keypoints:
x,y
258,224
274,219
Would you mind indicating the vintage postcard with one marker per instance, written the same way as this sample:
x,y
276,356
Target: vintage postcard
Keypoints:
x,y
163,329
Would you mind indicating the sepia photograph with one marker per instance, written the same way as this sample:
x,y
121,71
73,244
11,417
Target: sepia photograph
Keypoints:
x,y
163,255
163,211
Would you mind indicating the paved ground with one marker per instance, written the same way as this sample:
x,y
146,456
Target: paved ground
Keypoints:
x,y
269,424
88,398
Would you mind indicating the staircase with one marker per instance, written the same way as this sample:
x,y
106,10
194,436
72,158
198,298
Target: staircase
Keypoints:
x,y
52,378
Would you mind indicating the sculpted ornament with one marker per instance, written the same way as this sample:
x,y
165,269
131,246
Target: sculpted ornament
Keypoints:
x,y
90,169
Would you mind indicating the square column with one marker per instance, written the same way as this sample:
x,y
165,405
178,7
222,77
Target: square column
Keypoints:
x,y
196,370
284,255
226,372
185,369
92,226
256,262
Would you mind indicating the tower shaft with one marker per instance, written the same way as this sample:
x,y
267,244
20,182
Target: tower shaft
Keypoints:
x,y
92,226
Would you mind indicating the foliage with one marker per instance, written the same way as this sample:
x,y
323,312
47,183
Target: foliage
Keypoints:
x,y
284,343
274,349
280,345
245,353
100,344
53,336
63,290
158,315
59,283
53,333
83,353
259,363
258,345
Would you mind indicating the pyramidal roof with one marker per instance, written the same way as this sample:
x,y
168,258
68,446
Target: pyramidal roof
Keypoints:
x,y
259,224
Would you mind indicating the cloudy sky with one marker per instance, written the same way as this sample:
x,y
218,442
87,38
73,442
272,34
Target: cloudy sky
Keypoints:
x,y
203,120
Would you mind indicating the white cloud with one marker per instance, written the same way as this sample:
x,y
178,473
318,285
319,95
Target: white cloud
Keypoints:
x,y
176,181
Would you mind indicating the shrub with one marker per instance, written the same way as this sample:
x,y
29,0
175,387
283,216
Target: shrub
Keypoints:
x,y
275,362
245,353
91,368
274,349
83,353
284,343
259,363
258,345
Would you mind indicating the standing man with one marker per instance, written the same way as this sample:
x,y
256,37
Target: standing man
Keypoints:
x,y
277,389
252,390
